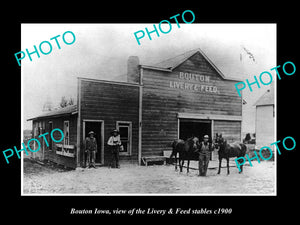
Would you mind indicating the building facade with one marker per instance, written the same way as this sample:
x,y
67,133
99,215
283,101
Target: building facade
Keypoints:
x,y
177,98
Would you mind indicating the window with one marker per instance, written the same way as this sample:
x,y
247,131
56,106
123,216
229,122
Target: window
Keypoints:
x,y
35,129
35,134
125,129
40,129
66,132
50,141
66,149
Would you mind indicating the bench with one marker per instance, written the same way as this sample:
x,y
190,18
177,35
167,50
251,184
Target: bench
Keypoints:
x,y
155,158
167,154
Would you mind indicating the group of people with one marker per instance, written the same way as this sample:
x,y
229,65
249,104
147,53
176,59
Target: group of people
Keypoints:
x,y
114,144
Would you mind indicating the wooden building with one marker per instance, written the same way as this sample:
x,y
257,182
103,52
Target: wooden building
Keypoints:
x,y
60,153
265,119
176,98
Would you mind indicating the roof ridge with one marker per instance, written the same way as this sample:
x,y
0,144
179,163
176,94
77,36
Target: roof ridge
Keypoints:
x,y
173,62
184,54
263,99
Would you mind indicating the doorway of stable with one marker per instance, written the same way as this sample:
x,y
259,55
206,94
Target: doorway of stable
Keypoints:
x,y
195,127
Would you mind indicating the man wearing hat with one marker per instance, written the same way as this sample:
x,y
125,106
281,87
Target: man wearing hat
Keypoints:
x,y
91,149
204,151
114,143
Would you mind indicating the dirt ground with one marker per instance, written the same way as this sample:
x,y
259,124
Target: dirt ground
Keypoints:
x,y
156,179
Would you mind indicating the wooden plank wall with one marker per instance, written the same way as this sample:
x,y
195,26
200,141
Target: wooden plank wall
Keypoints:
x,y
161,103
111,102
230,130
58,122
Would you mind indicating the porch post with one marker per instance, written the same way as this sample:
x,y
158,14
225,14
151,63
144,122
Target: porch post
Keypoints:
x,y
140,117
78,122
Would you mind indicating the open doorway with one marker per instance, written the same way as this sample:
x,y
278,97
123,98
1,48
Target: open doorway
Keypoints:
x,y
190,127
98,127
194,127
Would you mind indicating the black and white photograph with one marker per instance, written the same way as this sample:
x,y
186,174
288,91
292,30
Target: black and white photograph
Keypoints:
x,y
129,109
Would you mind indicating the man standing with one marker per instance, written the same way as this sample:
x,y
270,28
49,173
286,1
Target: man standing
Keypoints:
x,y
204,150
114,143
91,149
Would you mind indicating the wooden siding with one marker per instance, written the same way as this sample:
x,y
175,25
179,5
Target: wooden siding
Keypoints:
x,y
162,103
110,102
230,130
50,154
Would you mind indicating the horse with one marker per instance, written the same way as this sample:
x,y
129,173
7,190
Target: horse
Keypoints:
x,y
186,150
226,151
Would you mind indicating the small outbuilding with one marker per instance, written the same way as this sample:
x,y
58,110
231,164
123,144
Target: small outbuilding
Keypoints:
x,y
265,119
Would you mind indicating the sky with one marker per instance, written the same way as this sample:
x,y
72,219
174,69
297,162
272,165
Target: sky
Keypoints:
x,y
101,51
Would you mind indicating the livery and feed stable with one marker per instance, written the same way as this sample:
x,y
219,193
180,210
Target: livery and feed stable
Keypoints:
x,y
178,98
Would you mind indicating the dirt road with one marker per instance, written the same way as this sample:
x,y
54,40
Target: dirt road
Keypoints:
x,y
157,179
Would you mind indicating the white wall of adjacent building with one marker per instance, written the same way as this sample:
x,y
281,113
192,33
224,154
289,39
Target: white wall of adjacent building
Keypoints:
x,y
264,125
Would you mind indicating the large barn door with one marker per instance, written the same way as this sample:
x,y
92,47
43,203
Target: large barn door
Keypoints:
x,y
195,127
191,127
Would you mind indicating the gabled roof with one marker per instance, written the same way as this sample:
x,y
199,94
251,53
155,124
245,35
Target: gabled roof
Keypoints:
x,y
266,99
68,110
172,63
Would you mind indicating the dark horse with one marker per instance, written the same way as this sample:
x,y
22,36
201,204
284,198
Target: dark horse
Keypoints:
x,y
227,151
186,150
